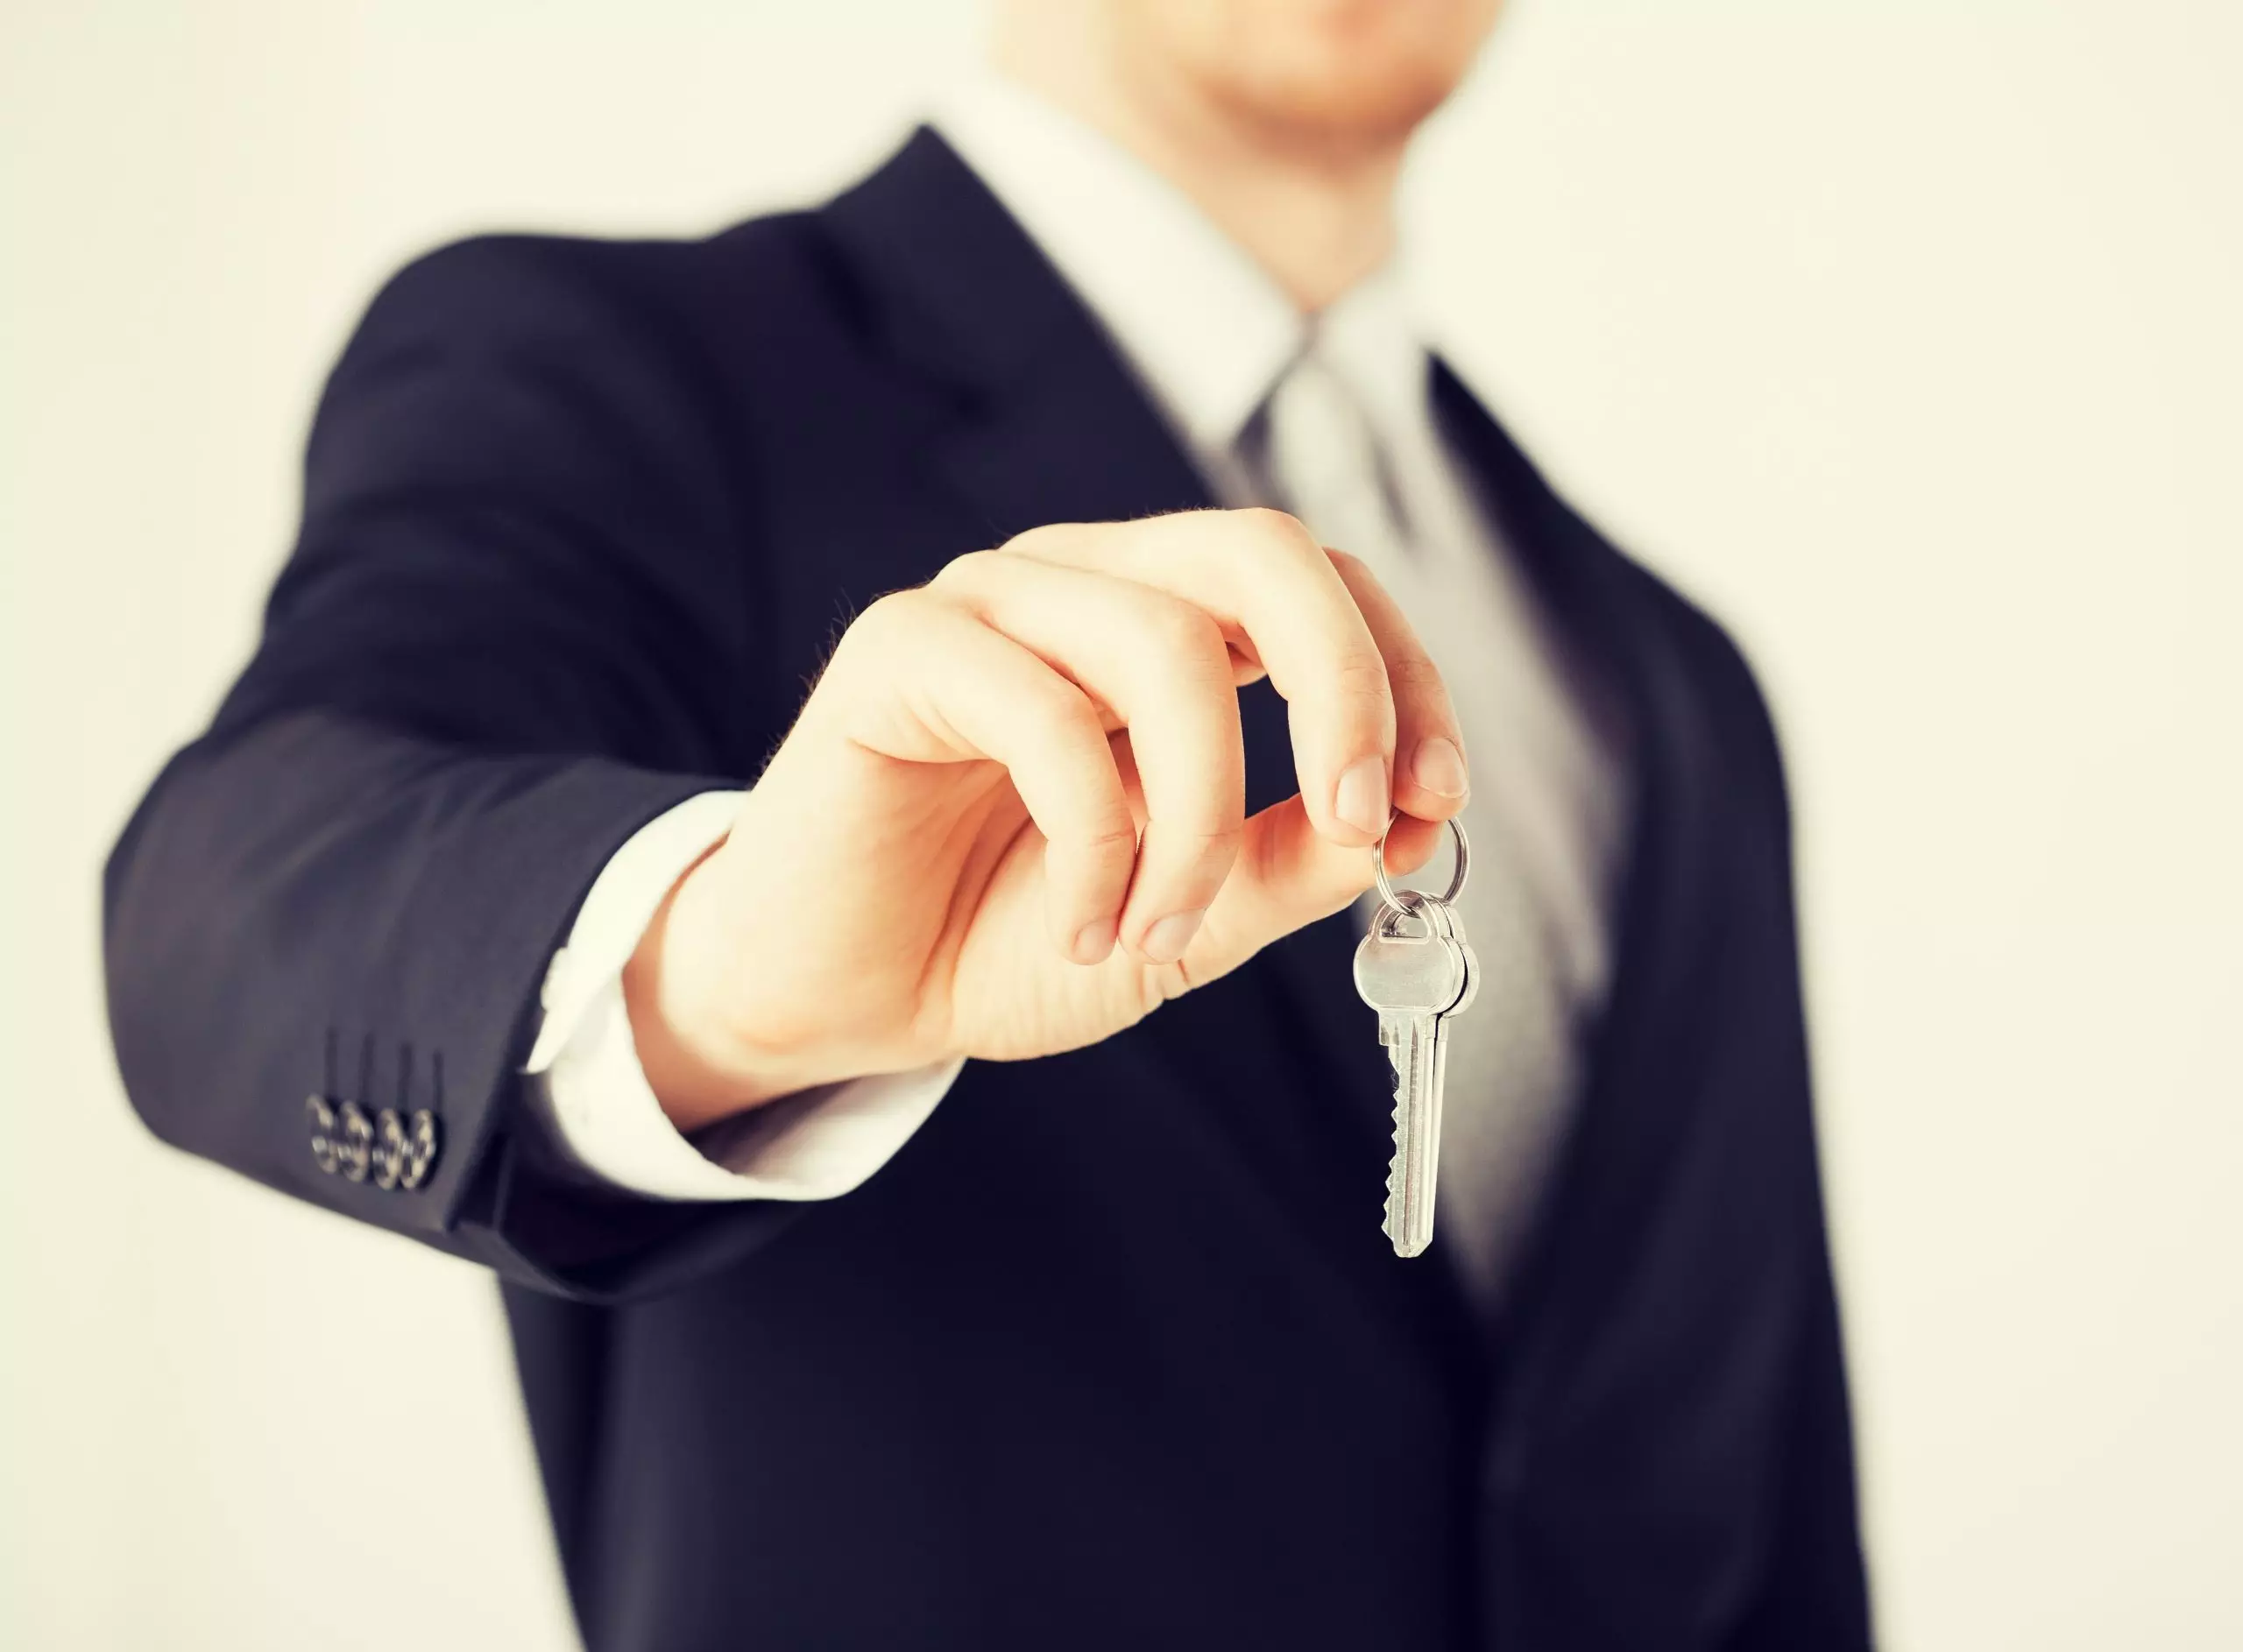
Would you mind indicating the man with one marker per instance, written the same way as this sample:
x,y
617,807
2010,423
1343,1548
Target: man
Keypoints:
x,y
936,1189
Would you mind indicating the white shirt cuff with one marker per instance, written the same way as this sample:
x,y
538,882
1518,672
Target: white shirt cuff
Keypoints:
x,y
588,1089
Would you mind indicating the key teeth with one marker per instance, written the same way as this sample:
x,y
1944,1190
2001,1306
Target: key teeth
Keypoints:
x,y
1392,1224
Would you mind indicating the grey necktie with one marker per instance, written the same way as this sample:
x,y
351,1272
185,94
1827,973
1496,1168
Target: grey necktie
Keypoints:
x,y
1513,1059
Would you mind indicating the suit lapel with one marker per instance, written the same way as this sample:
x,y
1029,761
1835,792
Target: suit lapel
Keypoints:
x,y
1623,1131
1051,427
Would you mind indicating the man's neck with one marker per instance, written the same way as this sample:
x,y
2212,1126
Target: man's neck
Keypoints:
x,y
1318,221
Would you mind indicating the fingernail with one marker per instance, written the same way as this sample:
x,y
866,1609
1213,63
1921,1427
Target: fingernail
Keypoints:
x,y
1165,940
1439,766
1360,800
1096,940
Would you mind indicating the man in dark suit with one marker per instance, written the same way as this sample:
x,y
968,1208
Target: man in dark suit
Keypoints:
x,y
935,1185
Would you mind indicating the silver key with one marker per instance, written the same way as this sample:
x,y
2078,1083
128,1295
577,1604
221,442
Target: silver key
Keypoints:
x,y
1415,968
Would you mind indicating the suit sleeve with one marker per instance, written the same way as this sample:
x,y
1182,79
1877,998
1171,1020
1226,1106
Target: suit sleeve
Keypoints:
x,y
517,626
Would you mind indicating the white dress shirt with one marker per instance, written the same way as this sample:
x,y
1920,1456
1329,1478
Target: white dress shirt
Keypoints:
x,y
1208,336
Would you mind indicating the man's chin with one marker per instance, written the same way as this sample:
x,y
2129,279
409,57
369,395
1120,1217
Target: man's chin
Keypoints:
x,y
1342,114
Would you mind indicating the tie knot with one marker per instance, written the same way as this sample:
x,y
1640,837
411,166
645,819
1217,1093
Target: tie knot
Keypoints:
x,y
1324,461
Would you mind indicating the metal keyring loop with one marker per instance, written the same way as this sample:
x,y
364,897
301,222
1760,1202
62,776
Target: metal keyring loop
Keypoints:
x,y
1405,901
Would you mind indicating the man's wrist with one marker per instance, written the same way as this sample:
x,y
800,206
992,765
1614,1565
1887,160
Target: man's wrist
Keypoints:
x,y
697,1066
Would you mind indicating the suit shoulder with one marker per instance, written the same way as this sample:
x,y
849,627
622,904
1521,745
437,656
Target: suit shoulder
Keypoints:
x,y
1703,660
1707,664
1725,681
497,287
1709,648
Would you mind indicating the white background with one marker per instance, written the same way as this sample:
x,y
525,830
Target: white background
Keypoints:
x,y
1906,334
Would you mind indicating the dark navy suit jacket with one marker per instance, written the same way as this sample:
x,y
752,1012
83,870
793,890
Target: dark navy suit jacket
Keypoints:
x,y
1112,1353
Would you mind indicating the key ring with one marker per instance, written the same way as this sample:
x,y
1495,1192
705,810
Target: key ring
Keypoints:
x,y
1408,908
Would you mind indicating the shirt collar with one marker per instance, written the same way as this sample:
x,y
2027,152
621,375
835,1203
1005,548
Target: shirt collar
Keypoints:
x,y
1203,326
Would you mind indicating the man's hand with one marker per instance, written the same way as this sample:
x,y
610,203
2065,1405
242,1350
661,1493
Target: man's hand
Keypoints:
x,y
1010,819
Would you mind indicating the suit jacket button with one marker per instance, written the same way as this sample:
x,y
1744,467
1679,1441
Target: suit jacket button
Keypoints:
x,y
319,1115
355,1140
388,1155
424,1139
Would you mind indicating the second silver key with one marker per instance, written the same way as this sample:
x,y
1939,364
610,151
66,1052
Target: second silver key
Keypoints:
x,y
1415,968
